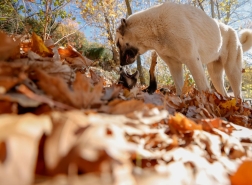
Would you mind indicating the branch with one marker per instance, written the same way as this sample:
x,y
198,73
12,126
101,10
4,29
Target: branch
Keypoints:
x,y
69,34
200,4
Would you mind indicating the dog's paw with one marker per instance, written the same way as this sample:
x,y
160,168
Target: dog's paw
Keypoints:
x,y
150,89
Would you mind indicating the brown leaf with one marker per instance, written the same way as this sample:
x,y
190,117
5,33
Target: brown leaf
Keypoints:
x,y
63,138
8,107
111,92
126,107
42,99
21,99
10,75
69,51
77,58
9,49
239,119
209,124
95,78
17,132
85,94
55,87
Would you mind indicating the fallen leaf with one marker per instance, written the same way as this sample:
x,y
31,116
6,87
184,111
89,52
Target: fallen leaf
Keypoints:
x,y
243,174
85,93
9,49
182,124
39,47
58,89
17,132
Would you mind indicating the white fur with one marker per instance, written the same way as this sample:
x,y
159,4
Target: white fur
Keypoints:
x,y
246,39
185,34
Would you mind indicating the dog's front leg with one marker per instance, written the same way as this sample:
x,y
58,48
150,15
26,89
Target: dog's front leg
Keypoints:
x,y
153,82
176,71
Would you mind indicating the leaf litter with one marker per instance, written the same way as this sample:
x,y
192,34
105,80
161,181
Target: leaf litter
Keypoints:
x,y
64,123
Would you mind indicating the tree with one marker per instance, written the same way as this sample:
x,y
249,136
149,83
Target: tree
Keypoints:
x,y
68,32
49,12
102,14
227,11
40,16
139,65
10,20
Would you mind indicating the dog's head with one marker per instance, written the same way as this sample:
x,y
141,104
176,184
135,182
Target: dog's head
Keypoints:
x,y
126,42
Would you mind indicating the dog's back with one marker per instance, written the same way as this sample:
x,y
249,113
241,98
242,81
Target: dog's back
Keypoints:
x,y
184,29
183,34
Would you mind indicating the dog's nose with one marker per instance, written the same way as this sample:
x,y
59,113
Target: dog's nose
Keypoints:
x,y
123,64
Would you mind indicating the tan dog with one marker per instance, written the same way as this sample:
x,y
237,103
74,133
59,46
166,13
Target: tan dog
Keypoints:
x,y
183,34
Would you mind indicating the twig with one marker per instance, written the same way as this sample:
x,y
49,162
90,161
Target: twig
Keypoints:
x,y
69,34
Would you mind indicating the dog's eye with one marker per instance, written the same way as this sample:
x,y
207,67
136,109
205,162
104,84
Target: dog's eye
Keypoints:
x,y
127,44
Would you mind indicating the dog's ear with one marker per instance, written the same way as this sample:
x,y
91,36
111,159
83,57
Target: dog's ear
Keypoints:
x,y
122,27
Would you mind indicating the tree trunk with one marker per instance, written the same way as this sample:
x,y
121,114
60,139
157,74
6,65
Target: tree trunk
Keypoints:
x,y
218,10
200,5
48,5
212,9
227,19
110,39
129,10
139,65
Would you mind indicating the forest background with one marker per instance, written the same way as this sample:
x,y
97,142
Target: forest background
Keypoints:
x,y
90,25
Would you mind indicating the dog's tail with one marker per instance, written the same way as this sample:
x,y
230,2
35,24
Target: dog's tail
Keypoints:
x,y
246,39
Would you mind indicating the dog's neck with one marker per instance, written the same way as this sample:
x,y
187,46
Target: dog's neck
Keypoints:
x,y
146,33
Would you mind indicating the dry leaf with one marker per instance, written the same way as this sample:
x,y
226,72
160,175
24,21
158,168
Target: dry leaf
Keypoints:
x,y
55,87
39,47
85,94
243,174
9,49
17,132
183,124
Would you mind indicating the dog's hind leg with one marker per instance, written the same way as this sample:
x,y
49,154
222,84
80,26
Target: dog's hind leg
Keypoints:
x,y
216,73
233,70
197,71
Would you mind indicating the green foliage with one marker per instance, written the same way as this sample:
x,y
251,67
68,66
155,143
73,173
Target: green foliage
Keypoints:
x,y
94,53
9,21
102,55
247,85
40,16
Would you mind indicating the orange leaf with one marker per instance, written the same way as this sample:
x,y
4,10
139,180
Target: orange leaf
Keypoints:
x,y
39,47
243,175
209,124
183,124
69,51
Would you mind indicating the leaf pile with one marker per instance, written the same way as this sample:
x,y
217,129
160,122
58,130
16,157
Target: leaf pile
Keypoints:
x,y
62,123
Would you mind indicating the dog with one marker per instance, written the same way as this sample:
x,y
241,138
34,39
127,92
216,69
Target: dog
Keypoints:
x,y
126,79
183,34
129,81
